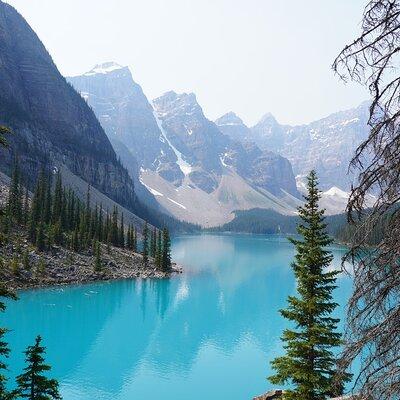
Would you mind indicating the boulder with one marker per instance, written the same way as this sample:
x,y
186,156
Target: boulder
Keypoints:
x,y
272,394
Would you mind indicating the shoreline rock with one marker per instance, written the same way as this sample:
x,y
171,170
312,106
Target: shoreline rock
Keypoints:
x,y
25,268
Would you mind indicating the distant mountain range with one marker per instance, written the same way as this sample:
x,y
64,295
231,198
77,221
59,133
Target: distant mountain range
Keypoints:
x,y
160,157
326,145
201,171
194,170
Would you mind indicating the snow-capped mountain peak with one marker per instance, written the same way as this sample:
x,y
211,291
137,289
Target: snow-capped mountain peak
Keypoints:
x,y
104,68
229,118
336,192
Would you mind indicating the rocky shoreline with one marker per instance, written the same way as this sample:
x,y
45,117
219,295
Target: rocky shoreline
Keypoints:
x,y
23,267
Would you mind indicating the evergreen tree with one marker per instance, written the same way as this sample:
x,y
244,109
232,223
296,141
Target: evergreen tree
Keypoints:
x,y
4,350
15,195
114,227
75,240
40,238
25,210
63,221
166,251
97,253
36,208
145,248
129,238
100,228
158,257
47,201
57,199
87,208
309,363
153,243
32,383
83,229
95,224
41,267
134,240
121,241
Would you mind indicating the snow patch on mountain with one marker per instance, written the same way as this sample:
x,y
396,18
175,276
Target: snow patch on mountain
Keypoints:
x,y
104,68
154,192
85,95
336,192
178,204
222,159
185,167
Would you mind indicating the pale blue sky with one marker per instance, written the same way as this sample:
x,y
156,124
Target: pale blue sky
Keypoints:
x,y
248,56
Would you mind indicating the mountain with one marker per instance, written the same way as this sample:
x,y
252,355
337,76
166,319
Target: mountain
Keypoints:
x,y
268,133
326,145
233,126
54,129
123,110
192,168
52,126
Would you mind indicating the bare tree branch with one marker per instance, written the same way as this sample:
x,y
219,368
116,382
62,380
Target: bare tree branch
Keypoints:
x,y
373,333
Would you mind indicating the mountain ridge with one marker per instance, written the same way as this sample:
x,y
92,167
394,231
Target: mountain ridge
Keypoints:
x,y
187,155
326,145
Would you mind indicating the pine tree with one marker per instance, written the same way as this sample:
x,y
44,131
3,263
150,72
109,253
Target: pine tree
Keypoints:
x,y
158,257
4,350
145,244
95,224
41,267
166,251
121,240
36,208
309,363
15,194
134,240
47,201
97,253
83,229
100,228
114,227
129,238
63,222
40,238
75,239
57,199
32,383
153,243
25,210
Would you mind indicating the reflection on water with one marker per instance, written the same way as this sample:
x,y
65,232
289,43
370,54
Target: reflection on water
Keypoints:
x,y
207,334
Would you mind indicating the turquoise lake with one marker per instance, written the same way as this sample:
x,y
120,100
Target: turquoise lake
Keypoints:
x,y
209,333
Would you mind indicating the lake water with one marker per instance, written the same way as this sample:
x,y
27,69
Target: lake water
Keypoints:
x,y
209,333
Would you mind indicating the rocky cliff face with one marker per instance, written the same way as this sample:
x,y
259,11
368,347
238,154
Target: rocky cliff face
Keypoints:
x,y
123,111
52,124
196,141
209,152
326,145
233,126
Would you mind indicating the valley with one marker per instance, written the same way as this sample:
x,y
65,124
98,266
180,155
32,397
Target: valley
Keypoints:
x,y
202,172
210,217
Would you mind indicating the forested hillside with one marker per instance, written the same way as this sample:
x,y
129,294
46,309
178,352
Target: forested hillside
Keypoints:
x,y
261,221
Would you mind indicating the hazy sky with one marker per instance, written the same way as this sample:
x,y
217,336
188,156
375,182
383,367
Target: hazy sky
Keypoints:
x,y
248,56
